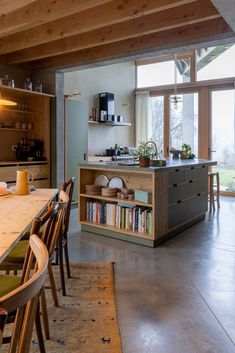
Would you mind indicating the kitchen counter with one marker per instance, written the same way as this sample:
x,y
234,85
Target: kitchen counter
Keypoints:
x,y
171,164
173,198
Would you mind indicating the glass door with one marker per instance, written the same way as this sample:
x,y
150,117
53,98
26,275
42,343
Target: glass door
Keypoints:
x,y
157,121
184,121
222,147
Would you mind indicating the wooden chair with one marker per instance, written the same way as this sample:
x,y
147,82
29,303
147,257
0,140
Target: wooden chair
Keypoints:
x,y
50,224
68,187
214,190
24,299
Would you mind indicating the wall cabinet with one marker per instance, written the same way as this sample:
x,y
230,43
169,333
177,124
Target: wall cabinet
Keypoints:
x,y
28,121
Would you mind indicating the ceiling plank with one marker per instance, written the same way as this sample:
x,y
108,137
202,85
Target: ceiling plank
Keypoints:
x,y
172,38
9,6
171,18
39,12
112,12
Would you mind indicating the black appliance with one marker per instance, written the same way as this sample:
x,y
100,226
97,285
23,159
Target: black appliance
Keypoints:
x,y
30,149
106,106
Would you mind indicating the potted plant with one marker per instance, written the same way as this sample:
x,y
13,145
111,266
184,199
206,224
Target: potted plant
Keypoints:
x,y
186,152
146,151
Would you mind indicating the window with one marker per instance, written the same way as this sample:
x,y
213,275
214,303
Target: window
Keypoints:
x,y
216,62
162,73
157,110
184,122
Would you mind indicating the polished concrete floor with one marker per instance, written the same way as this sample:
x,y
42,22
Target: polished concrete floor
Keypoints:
x,y
178,297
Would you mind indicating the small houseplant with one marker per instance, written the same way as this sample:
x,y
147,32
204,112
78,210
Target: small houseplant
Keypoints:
x,y
186,152
146,151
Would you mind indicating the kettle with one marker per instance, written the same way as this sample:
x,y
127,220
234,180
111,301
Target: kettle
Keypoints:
x,y
23,181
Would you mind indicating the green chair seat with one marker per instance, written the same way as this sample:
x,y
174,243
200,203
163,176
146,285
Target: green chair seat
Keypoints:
x,y
8,283
17,254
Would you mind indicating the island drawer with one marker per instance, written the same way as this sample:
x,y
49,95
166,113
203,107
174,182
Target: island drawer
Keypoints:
x,y
176,176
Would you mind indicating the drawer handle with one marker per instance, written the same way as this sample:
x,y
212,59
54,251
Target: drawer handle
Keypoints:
x,y
177,170
179,201
174,185
199,194
190,181
192,167
203,166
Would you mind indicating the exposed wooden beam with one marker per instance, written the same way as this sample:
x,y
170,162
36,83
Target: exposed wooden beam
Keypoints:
x,y
112,12
38,12
173,38
12,5
172,18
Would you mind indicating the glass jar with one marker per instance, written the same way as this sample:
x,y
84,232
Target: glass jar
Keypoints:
x,y
28,84
18,125
38,86
5,81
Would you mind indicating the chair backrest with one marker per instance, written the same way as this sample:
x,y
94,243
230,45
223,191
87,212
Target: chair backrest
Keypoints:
x,y
52,228
24,299
68,187
51,223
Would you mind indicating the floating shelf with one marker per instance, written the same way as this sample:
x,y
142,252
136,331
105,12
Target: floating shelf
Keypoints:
x,y
109,123
15,111
13,129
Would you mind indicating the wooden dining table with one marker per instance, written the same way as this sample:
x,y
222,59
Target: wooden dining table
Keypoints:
x,y
17,213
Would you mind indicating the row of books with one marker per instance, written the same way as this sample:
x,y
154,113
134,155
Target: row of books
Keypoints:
x,y
120,215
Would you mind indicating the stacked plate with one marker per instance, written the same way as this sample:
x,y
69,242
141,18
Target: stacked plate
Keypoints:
x,y
109,192
93,189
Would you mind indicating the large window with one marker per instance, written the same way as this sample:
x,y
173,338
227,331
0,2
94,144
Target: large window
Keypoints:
x,y
157,110
216,62
163,73
184,122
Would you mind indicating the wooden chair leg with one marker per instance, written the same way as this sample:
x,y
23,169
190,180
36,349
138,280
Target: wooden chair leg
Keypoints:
x,y
39,331
66,255
53,286
61,262
44,314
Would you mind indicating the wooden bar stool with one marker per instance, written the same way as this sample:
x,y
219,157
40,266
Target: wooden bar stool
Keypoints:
x,y
214,190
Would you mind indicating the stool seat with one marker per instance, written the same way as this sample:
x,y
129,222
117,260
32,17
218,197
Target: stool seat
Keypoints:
x,y
214,190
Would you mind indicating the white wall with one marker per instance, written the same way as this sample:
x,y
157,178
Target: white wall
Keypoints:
x,y
118,79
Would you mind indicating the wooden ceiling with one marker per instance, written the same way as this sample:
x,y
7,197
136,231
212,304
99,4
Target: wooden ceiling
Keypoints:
x,y
40,34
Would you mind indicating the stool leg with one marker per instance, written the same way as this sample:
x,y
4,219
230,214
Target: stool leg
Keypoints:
x,y
218,190
211,193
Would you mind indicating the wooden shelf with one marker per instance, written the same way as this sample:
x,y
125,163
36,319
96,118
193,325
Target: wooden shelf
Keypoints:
x,y
119,230
15,111
115,199
109,123
14,129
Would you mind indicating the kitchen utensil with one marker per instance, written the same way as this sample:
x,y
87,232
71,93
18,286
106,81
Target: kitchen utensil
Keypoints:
x,y
102,180
109,192
23,182
116,182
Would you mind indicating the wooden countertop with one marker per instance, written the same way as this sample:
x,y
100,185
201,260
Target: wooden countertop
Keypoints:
x,y
17,213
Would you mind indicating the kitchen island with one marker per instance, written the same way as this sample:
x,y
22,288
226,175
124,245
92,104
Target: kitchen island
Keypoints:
x,y
177,197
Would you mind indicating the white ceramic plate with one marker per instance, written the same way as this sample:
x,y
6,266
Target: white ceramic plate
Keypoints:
x,y
116,182
102,180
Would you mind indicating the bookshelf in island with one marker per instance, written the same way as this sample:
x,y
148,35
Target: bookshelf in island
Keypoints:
x,y
157,202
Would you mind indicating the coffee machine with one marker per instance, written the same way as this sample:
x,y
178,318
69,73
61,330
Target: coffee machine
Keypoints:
x,y
106,106
32,149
